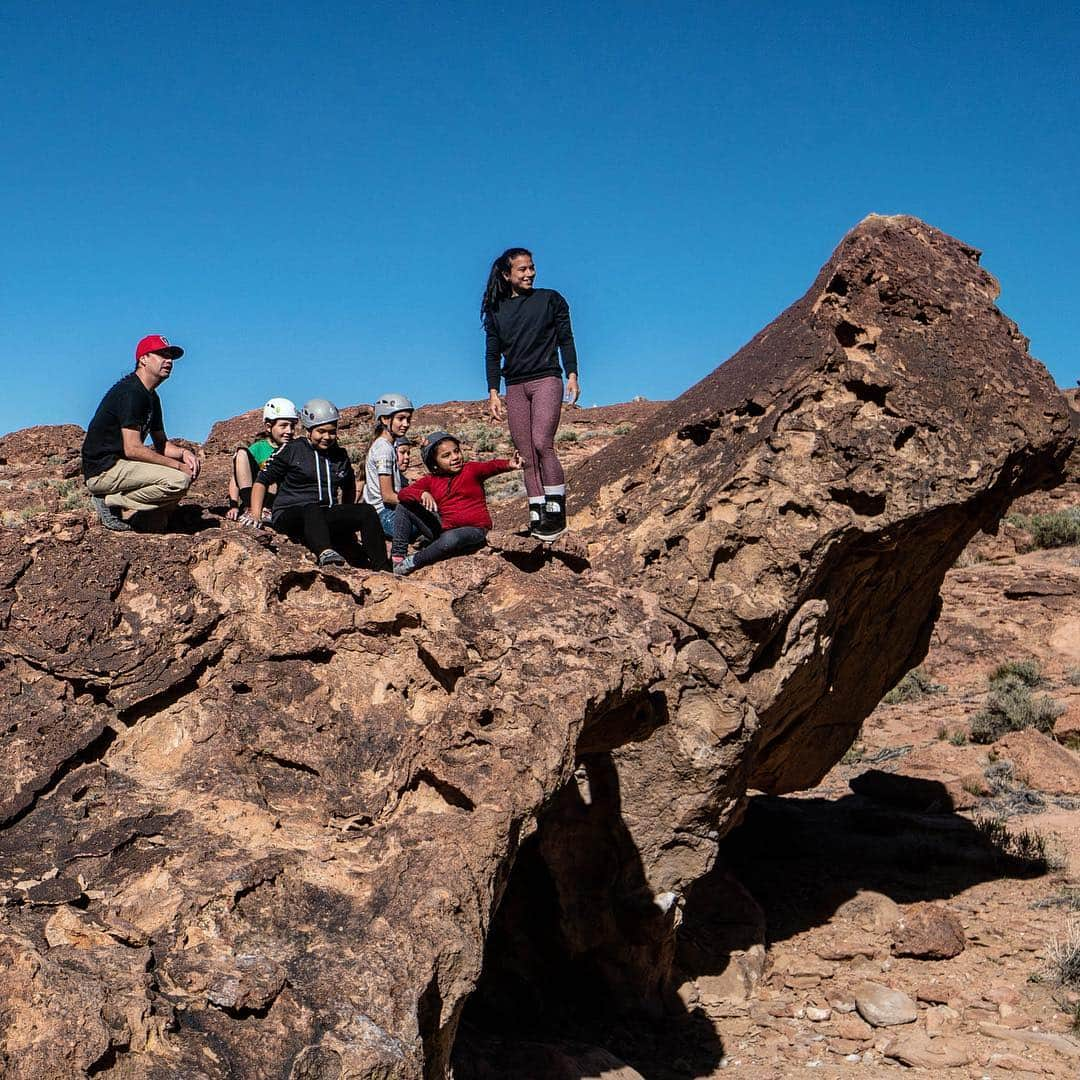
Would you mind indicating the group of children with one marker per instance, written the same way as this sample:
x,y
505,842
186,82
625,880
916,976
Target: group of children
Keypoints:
x,y
306,488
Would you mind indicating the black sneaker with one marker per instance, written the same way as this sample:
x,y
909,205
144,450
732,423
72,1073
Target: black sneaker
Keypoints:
x,y
108,516
330,557
552,519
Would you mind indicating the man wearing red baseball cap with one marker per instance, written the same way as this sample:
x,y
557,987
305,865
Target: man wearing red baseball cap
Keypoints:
x,y
121,471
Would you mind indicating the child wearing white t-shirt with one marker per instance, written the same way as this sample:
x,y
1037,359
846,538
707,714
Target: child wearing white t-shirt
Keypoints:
x,y
382,474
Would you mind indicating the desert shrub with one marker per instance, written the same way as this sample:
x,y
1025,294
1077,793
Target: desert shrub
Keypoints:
x,y
622,429
75,499
1064,957
969,557
1026,671
1061,528
1010,706
1027,850
916,684
854,754
958,737
567,435
483,437
1067,897
1008,793
1072,676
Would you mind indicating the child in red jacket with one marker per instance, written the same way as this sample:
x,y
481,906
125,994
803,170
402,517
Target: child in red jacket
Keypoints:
x,y
448,507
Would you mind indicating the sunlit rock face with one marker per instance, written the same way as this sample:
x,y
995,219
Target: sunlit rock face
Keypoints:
x,y
260,818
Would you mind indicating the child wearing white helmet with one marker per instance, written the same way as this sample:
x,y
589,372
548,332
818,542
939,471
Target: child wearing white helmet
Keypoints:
x,y
279,419
316,493
382,473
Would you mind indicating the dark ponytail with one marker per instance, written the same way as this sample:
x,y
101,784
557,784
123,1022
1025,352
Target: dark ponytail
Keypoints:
x,y
498,288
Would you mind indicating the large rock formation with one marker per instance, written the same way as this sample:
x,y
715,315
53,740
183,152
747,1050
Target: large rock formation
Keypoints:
x,y
262,819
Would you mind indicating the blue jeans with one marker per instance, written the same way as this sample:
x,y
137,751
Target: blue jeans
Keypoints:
x,y
412,519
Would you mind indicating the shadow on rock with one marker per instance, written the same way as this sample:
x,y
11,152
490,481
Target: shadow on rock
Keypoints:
x,y
803,858
577,969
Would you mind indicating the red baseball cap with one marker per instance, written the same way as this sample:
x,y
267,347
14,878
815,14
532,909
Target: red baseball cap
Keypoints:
x,y
155,343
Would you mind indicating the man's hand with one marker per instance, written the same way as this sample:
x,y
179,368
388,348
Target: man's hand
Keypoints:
x,y
191,463
232,513
428,502
495,406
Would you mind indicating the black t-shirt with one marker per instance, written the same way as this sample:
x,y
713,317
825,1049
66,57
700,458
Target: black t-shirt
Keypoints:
x,y
128,404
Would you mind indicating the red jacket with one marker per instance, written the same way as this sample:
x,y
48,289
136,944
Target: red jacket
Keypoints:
x,y
460,498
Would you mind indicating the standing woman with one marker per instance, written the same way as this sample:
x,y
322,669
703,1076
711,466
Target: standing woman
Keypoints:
x,y
531,329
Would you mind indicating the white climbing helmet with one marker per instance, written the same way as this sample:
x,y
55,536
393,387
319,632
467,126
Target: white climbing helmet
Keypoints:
x,y
389,404
280,408
319,411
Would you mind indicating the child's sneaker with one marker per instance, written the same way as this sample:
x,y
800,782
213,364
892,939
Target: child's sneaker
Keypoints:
x,y
330,557
404,566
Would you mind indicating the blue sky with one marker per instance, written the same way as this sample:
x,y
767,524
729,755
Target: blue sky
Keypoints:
x,y
308,197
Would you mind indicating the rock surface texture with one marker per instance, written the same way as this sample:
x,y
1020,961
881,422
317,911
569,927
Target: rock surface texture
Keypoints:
x,y
263,819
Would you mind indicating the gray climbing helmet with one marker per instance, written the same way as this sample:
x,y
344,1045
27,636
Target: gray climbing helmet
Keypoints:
x,y
427,451
389,404
319,411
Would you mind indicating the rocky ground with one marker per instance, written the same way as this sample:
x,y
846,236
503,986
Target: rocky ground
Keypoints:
x,y
900,927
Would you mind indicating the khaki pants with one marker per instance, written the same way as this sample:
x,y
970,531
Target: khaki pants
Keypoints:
x,y
140,485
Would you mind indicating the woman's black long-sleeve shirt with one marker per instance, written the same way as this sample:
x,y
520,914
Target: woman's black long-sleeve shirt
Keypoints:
x,y
530,330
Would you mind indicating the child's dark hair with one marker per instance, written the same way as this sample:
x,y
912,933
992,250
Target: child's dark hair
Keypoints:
x,y
498,288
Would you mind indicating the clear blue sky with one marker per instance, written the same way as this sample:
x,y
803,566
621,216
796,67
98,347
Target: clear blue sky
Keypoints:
x,y
307,197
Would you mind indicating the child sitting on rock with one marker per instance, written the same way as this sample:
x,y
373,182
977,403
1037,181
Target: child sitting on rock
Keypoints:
x,y
316,492
403,448
448,507
382,477
279,419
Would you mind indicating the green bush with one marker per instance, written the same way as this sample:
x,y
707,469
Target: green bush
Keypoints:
x,y
1011,707
568,435
1023,671
622,429
1028,850
484,437
916,684
1058,529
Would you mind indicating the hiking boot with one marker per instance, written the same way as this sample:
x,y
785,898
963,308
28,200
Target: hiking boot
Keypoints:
x,y
108,516
330,557
405,566
536,517
552,519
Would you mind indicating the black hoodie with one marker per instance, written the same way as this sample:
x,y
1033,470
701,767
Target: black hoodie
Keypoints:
x,y
305,475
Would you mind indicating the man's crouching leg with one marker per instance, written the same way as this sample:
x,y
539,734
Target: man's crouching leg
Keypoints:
x,y
150,490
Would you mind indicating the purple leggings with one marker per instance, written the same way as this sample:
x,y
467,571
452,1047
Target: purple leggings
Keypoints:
x,y
533,410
